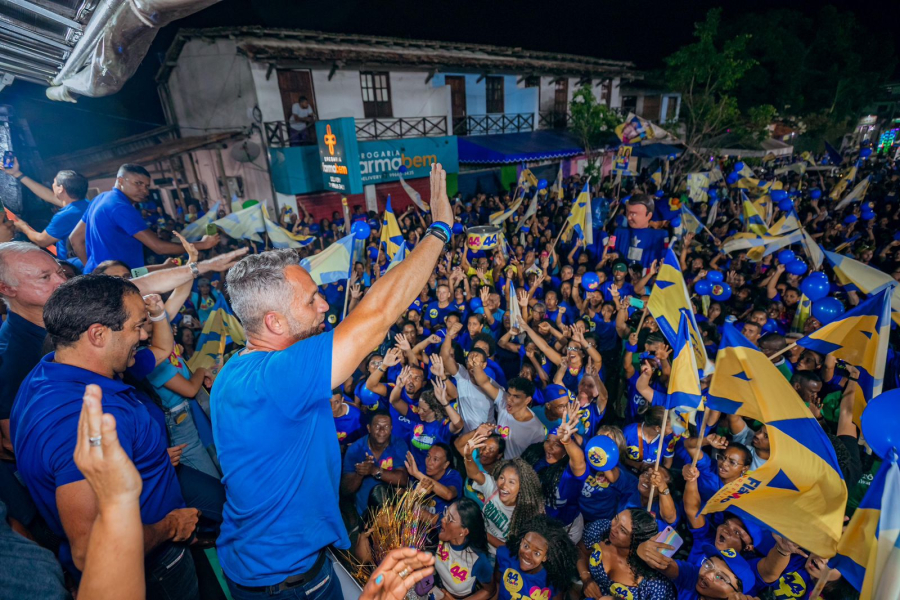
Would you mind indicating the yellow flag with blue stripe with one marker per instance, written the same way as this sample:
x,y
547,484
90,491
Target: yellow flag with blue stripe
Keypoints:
x,y
580,219
196,230
804,311
498,217
669,300
333,263
391,236
847,177
684,381
854,275
800,491
244,224
220,324
753,221
401,253
869,552
280,237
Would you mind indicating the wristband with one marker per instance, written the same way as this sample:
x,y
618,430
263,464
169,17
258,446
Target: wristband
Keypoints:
x,y
631,347
442,229
160,317
19,177
195,270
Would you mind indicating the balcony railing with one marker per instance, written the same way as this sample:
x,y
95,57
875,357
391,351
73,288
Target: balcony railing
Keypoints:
x,y
402,127
554,120
491,124
279,134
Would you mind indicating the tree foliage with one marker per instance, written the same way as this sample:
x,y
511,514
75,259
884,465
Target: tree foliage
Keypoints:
x,y
594,124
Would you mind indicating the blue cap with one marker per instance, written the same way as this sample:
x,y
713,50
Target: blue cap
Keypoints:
x,y
850,219
602,453
555,392
738,565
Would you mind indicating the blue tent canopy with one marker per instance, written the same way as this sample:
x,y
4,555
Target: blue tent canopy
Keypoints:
x,y
517,147
655,150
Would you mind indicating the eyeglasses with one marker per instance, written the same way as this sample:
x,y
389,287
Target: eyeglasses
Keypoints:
x,y
447,515
574,348
730,461
707,566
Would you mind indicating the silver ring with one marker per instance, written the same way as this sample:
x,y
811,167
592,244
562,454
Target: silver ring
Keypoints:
x,y
404,573
95,441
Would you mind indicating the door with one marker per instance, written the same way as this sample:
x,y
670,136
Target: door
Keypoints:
x,y
458,103
560,102
294,85
376,94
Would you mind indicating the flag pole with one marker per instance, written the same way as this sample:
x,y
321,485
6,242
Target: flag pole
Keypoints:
x,y
659,452
700,437
820,584
784,350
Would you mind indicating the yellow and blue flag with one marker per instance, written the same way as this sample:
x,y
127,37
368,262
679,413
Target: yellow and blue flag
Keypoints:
x,y
196,230
498,217
245,224
833,155
657,177
753,221
800,491
859,338
804,310
580,220
333,263
401,253
669,300
847,176
858,193
690,223
391,236
280,237
869,552
221,324
415,196
854,275
558,190
684,381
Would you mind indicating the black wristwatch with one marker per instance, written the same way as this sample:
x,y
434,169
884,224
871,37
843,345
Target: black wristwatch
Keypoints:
x,y
377,475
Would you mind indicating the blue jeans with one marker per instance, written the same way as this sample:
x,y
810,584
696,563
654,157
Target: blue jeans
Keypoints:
x,y
194,454
170,574
324,586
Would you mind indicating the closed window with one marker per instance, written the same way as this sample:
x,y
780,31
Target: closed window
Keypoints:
x,y
376,94
494,91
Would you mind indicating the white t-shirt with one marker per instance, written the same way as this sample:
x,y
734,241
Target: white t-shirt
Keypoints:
x,y
745,437
519,434
301,113
475,407
497,515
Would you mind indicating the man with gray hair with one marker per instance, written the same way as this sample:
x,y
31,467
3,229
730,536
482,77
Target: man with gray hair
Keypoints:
x,y
272,419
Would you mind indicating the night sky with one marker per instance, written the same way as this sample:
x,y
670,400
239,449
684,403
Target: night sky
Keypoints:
x,y
640,31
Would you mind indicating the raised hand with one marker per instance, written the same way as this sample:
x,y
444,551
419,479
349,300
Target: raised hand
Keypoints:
x,y
437,366
690,473
402,342
391,358
440,203
522,297
658,481
356,291
403,378
454,330
786,546
434,339
440,392
717,441
154,305
411,466
223,262
386,582
191,250
485,293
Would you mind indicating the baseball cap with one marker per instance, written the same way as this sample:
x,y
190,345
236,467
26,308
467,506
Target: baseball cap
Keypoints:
x,y
738,565
620,266
555,392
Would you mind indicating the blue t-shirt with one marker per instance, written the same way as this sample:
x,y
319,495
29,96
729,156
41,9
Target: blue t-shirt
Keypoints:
x,y
391,458
605,288
794,583
516,584
451,479
435,315
111,222
600,499
607,336
564,506
425,435
638,449
349,426
44,426
636,400
165,372
686,582
21,342
281,462
641,245
62,224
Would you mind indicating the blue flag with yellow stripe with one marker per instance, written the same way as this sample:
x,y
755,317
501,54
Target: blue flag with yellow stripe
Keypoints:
x,y
580,220
669,299
391,236
684,381
333,263
800,491
221,328
868,556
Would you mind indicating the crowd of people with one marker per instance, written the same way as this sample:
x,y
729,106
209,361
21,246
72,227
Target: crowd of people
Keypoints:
x,y
520,389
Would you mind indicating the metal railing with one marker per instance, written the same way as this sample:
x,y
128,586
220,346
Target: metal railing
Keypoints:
x,y
279,134
496,123
400,127
554,120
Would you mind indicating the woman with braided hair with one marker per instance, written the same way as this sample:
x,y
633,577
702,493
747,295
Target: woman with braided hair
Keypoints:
x,y
511,500
536,564
608,563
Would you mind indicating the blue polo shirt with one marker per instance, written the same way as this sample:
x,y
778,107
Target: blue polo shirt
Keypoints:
x,y
281,462
44,426
391,458
111,222
62,224
600,498
641,245
26,341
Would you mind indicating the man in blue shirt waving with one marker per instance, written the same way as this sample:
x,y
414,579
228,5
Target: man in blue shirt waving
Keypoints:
x,y
272,419
112,228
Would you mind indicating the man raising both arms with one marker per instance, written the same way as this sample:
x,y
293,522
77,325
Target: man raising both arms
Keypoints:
x,y
271,412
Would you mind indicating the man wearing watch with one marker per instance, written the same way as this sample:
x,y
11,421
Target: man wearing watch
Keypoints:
x,y
113,229
374,459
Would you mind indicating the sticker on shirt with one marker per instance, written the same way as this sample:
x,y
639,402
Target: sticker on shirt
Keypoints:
x,y
503,431
387,464
592,484
596,557
790,585
342,435
617,590
634,453
512,581
433,313
442,553
459,574
420,440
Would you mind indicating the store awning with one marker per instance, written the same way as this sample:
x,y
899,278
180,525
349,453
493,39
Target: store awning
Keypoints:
x,y
508,148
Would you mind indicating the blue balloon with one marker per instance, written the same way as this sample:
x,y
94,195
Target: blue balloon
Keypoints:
x,y
732,178
542,184
796,267
867,215
659,194
675,222
368,397
881,423
771,326
778,195
602,453
713,193
850,219
590,281
816,286
815,193
827,310
785,256
458,228
786,205
361,230
865,153
476,306
738,166
721,291
715,276
703,287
